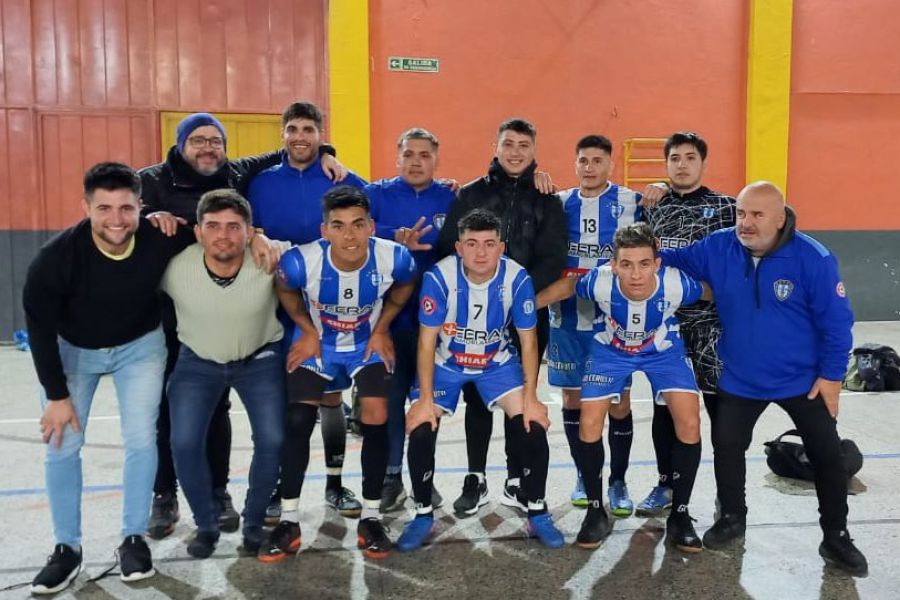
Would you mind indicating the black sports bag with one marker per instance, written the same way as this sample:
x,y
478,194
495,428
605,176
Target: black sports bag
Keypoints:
x,y
788,459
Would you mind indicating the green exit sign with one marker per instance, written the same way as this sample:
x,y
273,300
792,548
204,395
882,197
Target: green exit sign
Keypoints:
x,y
414,65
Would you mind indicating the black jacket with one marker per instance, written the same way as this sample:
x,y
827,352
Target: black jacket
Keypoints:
x,y
174,186
533,225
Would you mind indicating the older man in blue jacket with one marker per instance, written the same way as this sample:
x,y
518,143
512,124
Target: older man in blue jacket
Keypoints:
x,y
786,338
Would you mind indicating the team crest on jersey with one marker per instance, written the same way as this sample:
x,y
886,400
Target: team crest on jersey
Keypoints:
x,y
616,210
662,305
429,305
709,212
839,290
376,278
783,289
528,307
438,220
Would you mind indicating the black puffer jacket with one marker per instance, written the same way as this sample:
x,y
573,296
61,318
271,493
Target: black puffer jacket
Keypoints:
x,y
174,186
533,225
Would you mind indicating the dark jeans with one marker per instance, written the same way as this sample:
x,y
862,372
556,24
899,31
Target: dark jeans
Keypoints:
x,y
733,431
218,442
194,391
405,344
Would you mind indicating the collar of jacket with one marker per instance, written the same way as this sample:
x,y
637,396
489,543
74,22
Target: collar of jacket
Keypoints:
x,y
184,175
781,248
698,194
314,168
496,173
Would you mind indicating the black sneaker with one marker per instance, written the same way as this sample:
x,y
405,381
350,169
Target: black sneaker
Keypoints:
x,y
513,496
203,544
372,538
727,529
135,561
392,494
838,550
284,540
681,534
229,519
344,501
474,496
163,515
252,539
595,527
61,569
273,511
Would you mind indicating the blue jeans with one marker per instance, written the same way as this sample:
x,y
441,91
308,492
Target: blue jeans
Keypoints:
x,y
405,343
194,390
137,370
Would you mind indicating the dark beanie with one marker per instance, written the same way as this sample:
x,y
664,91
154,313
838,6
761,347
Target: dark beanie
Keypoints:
x,y
192,122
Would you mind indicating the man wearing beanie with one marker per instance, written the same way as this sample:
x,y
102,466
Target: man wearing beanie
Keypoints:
x,y
196,164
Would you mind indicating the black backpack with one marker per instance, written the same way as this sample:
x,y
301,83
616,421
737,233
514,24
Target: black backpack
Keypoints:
x,y
788,459
873,368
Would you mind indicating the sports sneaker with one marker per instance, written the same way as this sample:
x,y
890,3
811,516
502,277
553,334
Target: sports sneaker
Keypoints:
x,y
343,501
372,538
474,495
837,549
252,539
284,540
681,534
163,515
135,561
62,567
513,496
273,511
392,494
416,532
595,527
229,519
620,504
541,526
579,496
726,529
657,502
203,544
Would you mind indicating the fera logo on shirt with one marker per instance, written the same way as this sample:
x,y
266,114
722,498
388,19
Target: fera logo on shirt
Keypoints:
x,y
783,289
464,335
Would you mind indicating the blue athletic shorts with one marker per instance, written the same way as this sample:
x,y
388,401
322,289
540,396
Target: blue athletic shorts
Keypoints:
x,y
567,353
339,367
608,371
492,384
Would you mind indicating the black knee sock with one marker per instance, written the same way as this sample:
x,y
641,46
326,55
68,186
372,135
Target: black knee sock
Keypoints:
x,y
590,463
479,426
301,420
685,460
513,464
374,459
663,439
334,440
571,420
533,452
420,457
621,432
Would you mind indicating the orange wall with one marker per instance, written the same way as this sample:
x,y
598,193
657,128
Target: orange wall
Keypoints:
x,y
845,114
624,69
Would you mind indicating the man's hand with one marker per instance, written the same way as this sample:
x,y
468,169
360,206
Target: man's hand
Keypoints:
x,y
543,183
830,392
266,253
166,222
534,410
653,193
306,347
450,183
58,414
421,411
410,236
333,168
380,343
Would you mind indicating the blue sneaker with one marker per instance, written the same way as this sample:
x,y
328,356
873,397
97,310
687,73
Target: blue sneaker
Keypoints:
x,y
657,501
541,526
620,504
579,496
415,533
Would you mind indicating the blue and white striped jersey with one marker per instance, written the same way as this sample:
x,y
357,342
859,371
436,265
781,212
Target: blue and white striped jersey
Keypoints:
x,y
344,306
643,327
592,222
475,318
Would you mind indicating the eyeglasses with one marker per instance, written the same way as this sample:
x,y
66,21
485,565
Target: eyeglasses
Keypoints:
x,y
198,141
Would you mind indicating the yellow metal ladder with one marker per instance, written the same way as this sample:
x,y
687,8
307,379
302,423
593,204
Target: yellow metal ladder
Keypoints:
x,y
643,162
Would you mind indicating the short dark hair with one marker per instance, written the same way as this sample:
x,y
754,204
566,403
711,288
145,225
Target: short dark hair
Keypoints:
x,y
685,137
215,201
637,235
479,219
519,126
418,133
111,176
302,110
594,141
344,196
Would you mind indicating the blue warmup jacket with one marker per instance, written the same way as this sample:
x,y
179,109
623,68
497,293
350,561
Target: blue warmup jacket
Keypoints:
x,y
396,204
287,202
785,321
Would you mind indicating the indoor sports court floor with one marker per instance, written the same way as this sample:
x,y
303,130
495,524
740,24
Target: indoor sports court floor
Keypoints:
x,y
487,555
